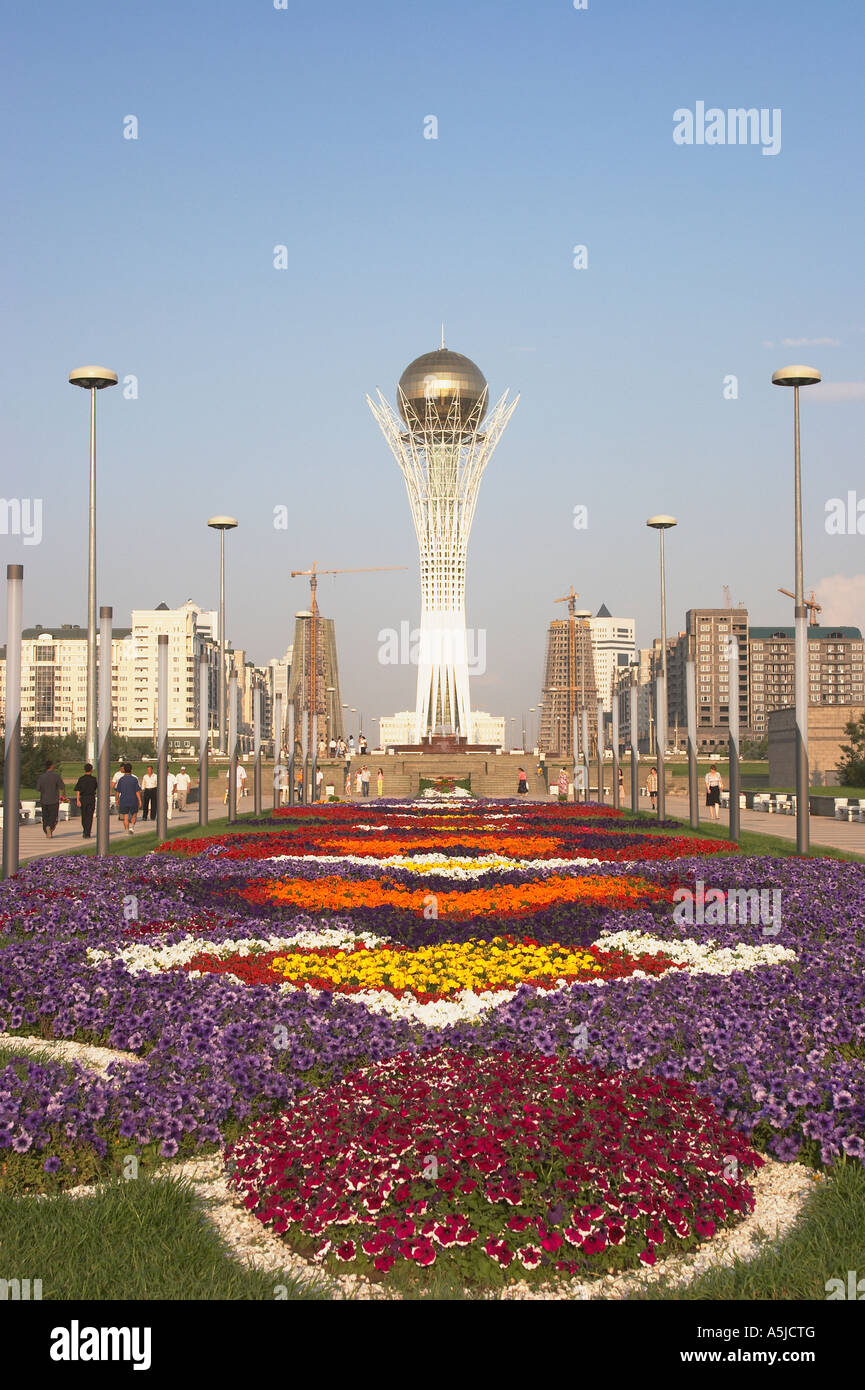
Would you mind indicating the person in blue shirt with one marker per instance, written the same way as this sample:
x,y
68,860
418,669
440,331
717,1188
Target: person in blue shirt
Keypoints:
x,y
128,793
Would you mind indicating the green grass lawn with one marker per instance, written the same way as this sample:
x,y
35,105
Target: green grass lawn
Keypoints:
x,y
145,1239
149,1239
826,1242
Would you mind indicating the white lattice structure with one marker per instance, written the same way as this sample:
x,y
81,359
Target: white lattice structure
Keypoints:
x,y
442,444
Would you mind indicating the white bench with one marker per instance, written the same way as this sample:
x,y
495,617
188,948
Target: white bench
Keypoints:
x,y
762,802
849,808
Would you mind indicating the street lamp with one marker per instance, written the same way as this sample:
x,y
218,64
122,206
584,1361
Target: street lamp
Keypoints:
x,y
222,524
92,379
330,691
800,376
662,524
531,712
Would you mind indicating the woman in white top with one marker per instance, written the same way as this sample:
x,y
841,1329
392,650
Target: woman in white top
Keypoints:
x,y
714,787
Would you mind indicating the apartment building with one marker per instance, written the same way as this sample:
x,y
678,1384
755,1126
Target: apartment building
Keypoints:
x,y
835,669
54,679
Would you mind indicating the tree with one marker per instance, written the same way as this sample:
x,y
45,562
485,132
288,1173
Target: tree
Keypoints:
x,y
851,769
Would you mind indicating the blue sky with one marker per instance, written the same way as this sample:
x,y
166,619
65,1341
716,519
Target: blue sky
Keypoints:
x,y
304,127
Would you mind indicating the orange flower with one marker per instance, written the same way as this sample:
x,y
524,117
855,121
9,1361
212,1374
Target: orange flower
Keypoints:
x,y
332,894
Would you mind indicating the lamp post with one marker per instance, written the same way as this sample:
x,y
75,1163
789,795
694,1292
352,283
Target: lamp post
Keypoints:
x,y
662,524
799,376
92,379
330,731
12,744
531,740
222,524
103,766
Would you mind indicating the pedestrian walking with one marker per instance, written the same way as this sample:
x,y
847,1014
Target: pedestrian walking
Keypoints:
x,y
358,782
332,747
379,783
117,776
171,788
652,785
347,784
298,785
522,782
241,780
563,784
621,784
364,781
182,783
52,790
714,787
85,796
128,793
351,745
361,746
148,794
319,778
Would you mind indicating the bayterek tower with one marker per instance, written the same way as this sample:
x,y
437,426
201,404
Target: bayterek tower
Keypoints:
x,y
442,439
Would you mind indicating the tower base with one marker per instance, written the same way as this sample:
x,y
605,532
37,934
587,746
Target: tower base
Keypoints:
x,y
444,743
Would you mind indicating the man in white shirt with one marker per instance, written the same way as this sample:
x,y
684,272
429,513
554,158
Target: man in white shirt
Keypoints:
x,y
241,780
172,787
182,783
148,794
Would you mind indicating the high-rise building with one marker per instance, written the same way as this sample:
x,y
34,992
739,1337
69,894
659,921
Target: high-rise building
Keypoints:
x,y
313,683
569,682
191,630
278,674
709,631
614,645
442,441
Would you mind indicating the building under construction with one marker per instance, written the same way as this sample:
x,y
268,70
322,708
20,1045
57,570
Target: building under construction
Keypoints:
x,y
313,686
569,681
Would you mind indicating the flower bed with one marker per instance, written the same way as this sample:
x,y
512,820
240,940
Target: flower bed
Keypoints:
x,y
229,977
495,1161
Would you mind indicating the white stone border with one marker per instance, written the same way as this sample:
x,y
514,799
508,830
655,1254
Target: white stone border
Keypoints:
x,y
66,1050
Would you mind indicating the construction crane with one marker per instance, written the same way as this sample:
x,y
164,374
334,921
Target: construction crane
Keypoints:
x,y
728,602
313,636
811,604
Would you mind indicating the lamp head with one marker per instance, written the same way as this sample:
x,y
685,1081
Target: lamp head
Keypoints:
x,y
796,376
97,377
661,523
222,523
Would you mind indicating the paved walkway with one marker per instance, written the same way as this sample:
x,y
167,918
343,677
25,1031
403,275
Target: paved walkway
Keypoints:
x,y
833,834
33,843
